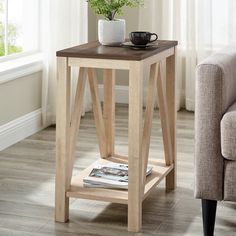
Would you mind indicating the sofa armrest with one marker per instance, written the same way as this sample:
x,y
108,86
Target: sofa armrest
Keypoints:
x,y
215,92
208,114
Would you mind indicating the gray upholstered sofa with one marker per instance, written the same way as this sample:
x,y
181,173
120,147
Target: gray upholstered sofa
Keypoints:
x,y
215,133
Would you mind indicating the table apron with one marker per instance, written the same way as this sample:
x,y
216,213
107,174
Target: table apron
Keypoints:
x,y
158,57
118,64
99,63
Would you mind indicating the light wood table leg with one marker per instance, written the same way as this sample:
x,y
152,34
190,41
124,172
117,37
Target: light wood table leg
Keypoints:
x,y
75,119
165,123
147,127
97,110
170,97
135,187
62,139
109,110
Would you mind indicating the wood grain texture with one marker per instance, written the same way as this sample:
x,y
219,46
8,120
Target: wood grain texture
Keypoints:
x,y
135,188
77,189
109,80
147,127
137,160
97,110
75,119
165,121
100,63
158,57
63,144
171,104
96,50
27,171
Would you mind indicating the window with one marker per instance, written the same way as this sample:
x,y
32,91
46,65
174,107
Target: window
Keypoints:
x,y
19,27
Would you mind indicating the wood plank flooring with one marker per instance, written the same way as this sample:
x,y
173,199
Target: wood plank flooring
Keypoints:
x,y
27,171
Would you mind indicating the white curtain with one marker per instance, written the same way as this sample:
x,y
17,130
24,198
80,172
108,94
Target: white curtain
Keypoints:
x,y
63,24
200,26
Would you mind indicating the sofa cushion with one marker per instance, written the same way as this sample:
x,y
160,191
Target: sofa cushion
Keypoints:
x,y
230,180
228,133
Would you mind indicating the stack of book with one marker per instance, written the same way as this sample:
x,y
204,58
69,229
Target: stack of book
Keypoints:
x,y
112,175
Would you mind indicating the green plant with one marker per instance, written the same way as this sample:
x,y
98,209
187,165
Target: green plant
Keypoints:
x,y
109,8
12,36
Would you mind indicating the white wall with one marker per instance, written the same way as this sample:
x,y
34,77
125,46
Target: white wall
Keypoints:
x,y
20,97
20,109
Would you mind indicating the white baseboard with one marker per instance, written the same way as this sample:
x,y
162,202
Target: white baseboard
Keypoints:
x,y
20,128
122,93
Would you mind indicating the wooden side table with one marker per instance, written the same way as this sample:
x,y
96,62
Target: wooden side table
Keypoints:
x,y
88,57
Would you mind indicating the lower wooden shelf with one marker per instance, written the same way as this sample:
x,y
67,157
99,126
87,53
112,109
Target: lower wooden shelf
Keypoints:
x,y
77,190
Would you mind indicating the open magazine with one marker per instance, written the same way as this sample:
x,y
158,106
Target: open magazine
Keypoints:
x,y
112,175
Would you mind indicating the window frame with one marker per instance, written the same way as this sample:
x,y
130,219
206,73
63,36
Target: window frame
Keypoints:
x,y
18,55
18,65
13,69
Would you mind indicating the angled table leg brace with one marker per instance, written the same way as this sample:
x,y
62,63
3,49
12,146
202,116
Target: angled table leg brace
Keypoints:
x,y
139,132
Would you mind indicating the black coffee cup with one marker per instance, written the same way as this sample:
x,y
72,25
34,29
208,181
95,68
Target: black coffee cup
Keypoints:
x,y
142,38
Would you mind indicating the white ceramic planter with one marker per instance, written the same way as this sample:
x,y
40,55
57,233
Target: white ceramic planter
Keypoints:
x,y
111,32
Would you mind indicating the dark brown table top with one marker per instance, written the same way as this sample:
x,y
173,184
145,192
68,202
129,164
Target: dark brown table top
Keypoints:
x,y
96,50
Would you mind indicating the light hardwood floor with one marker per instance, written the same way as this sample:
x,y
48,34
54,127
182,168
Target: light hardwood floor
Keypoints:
x,y
27,172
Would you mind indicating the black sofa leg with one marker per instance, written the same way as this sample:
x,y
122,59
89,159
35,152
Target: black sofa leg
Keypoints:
x,y
208,216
